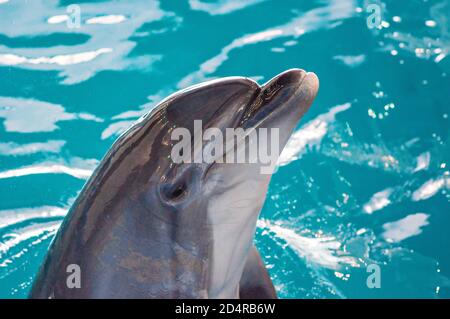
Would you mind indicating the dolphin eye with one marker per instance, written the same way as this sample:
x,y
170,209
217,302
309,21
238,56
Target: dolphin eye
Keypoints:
x,y
178,191
174,192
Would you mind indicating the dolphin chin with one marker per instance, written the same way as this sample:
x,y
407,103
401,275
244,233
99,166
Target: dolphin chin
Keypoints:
x,y
145,226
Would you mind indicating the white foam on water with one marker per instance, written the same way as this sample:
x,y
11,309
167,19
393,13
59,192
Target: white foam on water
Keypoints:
x,y
405,228
322,251
221,6
423,162
58,19
21,114
309,135
107,19
26,233
430,188
351,60
77,167
106,47
15,149
63,59
47,168
378,201
13,216
116,128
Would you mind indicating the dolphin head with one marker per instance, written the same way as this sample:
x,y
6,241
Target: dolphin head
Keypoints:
x,y
146,224
212,207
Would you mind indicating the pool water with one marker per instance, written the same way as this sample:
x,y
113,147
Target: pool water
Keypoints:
x,y
362,188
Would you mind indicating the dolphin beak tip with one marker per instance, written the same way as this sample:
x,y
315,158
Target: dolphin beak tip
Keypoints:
x,y
307,83
299,76
312,80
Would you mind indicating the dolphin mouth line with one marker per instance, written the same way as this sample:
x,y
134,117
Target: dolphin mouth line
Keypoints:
x,y
255,107
263,93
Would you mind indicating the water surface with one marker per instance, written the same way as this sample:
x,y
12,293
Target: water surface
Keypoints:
x,y
363,181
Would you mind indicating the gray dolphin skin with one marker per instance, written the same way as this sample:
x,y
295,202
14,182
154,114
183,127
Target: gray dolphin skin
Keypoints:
x,y
146,227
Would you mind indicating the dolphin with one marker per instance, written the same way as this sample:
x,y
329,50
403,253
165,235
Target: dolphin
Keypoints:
x,y
146,227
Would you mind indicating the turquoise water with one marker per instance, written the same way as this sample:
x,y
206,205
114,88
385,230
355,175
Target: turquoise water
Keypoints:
x,y
364,180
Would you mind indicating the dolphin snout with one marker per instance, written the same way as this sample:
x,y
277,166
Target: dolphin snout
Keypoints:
x,y
290,93
289,77
297,84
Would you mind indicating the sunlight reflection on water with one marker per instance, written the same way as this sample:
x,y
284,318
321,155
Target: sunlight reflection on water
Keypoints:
x,y
364,178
